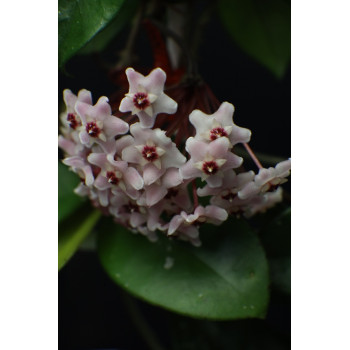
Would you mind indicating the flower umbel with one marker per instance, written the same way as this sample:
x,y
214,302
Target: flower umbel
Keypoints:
x,y
144,179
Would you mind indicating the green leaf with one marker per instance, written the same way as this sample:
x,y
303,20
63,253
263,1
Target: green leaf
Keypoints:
x,y
276,238
73,231
79,21
68,201
226,278
104,37
261,29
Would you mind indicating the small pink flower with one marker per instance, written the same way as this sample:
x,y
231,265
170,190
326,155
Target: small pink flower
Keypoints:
x,y
185,224
127,211
80,166
98,123
153,151
116,175
267,180
146,98
209,160
70,119
219,124
261,203
158,190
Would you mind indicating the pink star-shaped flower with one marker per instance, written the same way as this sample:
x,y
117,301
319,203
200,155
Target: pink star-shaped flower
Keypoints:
x,y
116,175
70,119
153,151
209,160
185,223
146,98
219,124
266,180
98,123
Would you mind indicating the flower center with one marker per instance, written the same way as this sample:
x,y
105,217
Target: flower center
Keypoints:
x,y
210,167
217,132
150,153
72,120
131,208
270,187
112,178
229,196
171,193
92,129
141,100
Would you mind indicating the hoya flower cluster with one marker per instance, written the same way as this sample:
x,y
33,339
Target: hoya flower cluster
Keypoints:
x,y
148,183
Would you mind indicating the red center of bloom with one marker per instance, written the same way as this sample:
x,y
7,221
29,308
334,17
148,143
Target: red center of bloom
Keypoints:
x,y
272,187
131,208
217,132
171,193
72,120
141,100
92,129
112,179
210,167
150,153
229,197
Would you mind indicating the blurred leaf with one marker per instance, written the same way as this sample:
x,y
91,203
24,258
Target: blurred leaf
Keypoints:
x,y
280,274
68,201
79,21
103,38
226,278
192,334
276,238
261,29
73,231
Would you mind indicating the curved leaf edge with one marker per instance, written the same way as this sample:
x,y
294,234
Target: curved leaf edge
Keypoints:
x,y
78,229
262,315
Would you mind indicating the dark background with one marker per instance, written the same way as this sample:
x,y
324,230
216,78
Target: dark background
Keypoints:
x,y
92,309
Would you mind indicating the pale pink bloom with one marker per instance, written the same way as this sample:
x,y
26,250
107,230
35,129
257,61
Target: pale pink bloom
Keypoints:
x,y
219,124
153,151
80,166
185,224
94,195
209,160
142,179
177,198
70,120
226,196
146,98
154,221
127,211
261,203
231,184
158,190
69,146
267,179
82,190
98,123
116,175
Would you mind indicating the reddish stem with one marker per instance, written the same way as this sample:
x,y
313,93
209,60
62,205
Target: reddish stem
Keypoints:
x,y
253,156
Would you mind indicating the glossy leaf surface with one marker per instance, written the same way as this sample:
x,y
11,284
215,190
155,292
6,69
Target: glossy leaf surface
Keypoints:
x,y
107,34
261,29
226,278
79,21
